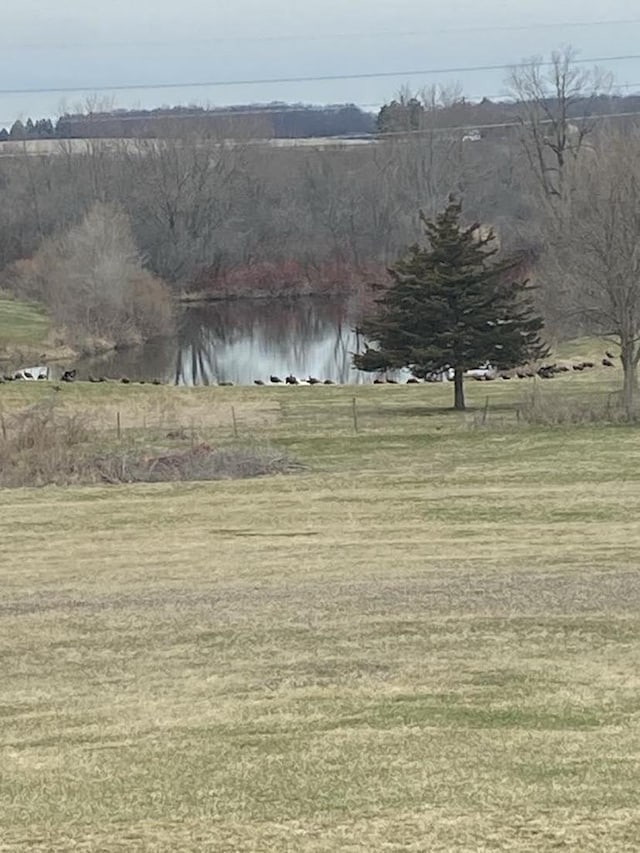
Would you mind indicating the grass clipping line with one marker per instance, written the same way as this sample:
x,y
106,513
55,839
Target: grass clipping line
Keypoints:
x,y
41,446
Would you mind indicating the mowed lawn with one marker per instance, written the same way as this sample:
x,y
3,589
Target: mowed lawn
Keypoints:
x,y
21,322
427,640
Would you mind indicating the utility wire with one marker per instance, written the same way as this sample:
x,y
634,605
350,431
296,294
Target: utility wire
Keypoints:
x,y
269,109
324,36
301,79
283,110
387,135
544,25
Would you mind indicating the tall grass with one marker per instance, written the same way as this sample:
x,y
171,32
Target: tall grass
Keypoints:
x,y
41,445
556,410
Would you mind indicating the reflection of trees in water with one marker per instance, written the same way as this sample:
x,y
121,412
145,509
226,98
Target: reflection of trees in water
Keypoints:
x,y
196,362
152,361
245,340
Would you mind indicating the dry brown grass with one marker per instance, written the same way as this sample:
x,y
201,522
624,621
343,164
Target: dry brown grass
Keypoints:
x,y
429,641
42,445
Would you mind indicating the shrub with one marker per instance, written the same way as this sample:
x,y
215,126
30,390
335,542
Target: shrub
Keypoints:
x,y
198,463
94,283
41,446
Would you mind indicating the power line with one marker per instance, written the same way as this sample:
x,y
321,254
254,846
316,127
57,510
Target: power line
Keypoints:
x,y
505,124
375,136
545,25
123,87
258,110
229,112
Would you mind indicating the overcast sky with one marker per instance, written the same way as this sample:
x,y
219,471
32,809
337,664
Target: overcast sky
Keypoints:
x,y
85,44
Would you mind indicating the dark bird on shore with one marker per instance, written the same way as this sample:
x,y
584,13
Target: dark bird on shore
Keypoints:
x,y
562,369
609,354
607,362
125,380
291,380
413,381
156,382
43,375
225,384
275,379
313,381
520,374
588,364
258,382
142,382
27,374
578,366
68,376
328,382
392,381
504,376
547,371
379,382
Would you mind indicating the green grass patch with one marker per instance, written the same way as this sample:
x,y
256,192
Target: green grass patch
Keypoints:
x,y
22,322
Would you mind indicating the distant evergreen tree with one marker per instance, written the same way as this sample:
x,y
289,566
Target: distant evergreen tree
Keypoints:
x,y
44,129
29,129
17,130
402,115
4,134
452,305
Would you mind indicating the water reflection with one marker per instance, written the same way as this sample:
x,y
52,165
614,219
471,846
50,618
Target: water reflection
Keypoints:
x,y
245,340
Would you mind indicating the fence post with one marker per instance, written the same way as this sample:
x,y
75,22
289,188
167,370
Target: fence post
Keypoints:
x,y
485,411
118,427
3,426
354,410
235,422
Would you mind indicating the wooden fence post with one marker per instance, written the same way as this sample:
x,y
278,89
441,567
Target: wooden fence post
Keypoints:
x,y
485,411
354,410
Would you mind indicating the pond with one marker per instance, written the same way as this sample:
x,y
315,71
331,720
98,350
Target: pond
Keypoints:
x,y
242,341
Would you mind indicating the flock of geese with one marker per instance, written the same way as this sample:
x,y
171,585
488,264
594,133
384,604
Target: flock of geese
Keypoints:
x,y
293,380
486,374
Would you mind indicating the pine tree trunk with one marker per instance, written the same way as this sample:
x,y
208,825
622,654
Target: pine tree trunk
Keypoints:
x,y
630,372
459,390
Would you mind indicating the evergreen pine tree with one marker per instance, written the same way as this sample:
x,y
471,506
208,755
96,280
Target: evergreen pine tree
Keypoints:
x,y
17,130
452,304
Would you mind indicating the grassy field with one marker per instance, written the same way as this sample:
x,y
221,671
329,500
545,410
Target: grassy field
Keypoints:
x,y
21,323
426,641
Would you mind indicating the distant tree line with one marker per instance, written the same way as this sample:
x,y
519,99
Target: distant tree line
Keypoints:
x,y
267,121
40,129
414,112
437,107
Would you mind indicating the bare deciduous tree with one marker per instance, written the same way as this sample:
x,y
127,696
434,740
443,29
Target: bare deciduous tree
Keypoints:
x,y
93,281
555,101
601,264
